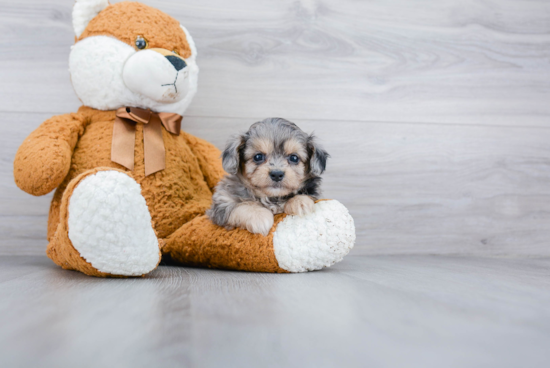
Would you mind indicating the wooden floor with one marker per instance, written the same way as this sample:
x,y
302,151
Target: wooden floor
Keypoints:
x,y
368,311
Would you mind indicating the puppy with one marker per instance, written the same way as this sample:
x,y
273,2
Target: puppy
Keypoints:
x,y
273,168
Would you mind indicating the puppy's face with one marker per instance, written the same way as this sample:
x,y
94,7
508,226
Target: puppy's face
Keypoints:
x,y
275,168
274,158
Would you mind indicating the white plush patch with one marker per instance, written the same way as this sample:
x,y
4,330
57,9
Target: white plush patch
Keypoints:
x,y
191,43
317,240
107,74
151,74
110,225
96,65
84,11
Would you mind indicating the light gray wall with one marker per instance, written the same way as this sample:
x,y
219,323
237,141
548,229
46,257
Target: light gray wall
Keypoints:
x,y
436,113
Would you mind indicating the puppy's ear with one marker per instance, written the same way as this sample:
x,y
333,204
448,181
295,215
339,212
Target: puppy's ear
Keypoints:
x,y
317,156
231,154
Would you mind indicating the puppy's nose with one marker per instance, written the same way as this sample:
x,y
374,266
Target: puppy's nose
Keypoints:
x,y
277,175
177,62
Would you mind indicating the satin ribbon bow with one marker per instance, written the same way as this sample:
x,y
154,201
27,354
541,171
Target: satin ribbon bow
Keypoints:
x,y
124,137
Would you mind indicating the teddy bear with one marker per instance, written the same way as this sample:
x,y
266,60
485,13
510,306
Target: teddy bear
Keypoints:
x,y
131,186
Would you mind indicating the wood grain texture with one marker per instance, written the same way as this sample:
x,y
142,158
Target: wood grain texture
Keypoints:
x,y
452,61
436,114
411,188
436,189
378,311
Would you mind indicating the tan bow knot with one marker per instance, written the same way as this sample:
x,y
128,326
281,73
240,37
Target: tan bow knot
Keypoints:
x,y
124,137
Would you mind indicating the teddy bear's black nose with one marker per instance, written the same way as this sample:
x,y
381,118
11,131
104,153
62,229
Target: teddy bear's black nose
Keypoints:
x,y
177,62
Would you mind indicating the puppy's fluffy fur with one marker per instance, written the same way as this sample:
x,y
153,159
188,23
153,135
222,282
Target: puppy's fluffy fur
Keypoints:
x,y
275,167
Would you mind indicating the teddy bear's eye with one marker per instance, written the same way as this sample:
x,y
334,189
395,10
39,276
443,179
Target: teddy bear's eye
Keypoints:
x,y
141,43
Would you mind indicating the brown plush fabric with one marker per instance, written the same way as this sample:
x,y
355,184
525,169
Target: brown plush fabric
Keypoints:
x,y
60,249
67,148
127,20
177,197
44,158
174,195
200,243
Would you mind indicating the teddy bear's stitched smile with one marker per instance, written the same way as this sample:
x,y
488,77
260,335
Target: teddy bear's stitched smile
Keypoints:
x,y
173,84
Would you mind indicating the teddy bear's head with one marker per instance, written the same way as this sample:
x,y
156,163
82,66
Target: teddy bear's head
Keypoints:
x,y
129,54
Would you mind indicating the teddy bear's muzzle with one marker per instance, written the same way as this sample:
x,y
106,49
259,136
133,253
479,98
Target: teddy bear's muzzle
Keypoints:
x,y
177,61
158,74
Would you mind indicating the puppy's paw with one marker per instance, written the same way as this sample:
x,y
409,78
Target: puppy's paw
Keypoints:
x,y
299,205
256,219
261,222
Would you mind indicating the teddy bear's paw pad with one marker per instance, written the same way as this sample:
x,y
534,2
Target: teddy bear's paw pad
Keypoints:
x,y
110,225
317,240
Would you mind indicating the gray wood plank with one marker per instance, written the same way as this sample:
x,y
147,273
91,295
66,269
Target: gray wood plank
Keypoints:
x,y
378,311
436,189
411,188
450,62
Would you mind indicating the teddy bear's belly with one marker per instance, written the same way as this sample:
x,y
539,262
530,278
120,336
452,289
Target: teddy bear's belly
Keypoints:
x,y
174,196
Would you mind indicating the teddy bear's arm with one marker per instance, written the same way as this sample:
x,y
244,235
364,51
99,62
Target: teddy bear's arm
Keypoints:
x,y
44,158
209,158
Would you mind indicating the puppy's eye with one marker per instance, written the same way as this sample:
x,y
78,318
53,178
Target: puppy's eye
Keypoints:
x,y
141,43
258,158
294,159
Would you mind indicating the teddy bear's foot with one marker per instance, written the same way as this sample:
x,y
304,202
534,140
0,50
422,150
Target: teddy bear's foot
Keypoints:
x,y
314,241
105,227
294,244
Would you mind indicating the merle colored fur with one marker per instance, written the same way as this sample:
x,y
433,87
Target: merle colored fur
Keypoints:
x,y
233,190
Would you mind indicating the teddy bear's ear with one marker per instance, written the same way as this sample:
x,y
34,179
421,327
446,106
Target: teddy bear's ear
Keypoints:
x,y
84,11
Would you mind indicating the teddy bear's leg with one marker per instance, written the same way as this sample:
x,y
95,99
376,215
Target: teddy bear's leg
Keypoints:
x,y
105,227
295,244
